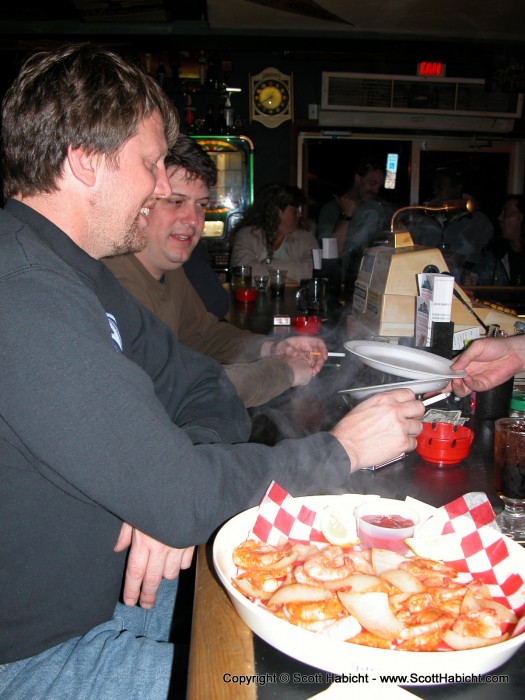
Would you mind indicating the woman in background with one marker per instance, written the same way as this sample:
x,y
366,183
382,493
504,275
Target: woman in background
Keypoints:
x,y
272,233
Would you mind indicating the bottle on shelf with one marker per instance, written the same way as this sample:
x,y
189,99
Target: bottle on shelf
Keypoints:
x,y
228,114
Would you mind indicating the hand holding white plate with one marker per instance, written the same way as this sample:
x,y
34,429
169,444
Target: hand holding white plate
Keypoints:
x,y
402,361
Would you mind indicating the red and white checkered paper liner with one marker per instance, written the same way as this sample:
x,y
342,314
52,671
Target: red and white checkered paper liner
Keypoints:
x,y
282,516
474,543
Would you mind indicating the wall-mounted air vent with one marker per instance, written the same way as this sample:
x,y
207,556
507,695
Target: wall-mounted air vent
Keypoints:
x,y
353,99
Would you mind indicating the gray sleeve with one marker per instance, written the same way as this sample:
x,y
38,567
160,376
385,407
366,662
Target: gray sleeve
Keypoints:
x,y
92,423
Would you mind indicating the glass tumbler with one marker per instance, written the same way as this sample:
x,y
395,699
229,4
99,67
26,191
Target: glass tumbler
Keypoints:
x,y
261,283
241,277
509,476
278,282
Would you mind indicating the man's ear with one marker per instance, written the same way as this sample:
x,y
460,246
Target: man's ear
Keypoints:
x,y
83,165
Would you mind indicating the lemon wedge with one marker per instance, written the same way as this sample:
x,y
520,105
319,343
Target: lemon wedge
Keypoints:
x,y
338,526
439,547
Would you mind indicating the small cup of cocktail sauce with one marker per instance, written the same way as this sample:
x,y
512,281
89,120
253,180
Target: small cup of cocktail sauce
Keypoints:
x,y
385,524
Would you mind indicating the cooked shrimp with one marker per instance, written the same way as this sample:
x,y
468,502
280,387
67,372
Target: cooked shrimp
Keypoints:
x,y
454,590
418,601
420,566
320,610
371,640
264,581
423,642
304,550
255,555
435,581
429,621
328,564
361,561
414,603
302,584
302,577
452,606
478,623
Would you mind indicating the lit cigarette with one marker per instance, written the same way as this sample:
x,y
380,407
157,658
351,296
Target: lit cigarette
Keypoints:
x,y
330,354
435,399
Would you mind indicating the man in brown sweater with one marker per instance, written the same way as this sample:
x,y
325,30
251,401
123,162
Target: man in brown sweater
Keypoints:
x,y
260,368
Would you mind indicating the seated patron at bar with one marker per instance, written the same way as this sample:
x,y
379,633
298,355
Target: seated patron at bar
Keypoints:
x,y
272,233
464,235
504,263
355,216
121,447
260,368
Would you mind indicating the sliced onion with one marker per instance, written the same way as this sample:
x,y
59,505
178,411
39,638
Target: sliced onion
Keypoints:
x,y
248,589
472,602
397,598
359,582
298,593
343,629
373,612
385,559
284,562
404,580
458,642
504,614
469,602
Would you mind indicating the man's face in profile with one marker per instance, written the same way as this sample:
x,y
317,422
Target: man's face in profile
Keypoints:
x,y
368,185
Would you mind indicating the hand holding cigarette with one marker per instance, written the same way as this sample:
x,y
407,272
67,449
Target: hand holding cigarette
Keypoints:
x,y
435,399
330,354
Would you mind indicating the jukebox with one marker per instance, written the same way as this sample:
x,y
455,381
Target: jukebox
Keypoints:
x,y
232,194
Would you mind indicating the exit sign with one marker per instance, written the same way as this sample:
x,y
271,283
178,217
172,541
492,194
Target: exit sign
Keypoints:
x,y
433,69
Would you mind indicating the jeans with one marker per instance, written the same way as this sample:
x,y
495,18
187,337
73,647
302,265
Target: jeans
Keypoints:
x,y
128,657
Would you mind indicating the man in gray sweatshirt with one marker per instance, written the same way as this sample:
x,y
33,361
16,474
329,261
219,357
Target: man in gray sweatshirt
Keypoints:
x,y
120,448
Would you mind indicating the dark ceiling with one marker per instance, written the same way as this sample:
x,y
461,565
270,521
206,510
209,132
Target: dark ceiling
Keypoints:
x,y
459,30
448,20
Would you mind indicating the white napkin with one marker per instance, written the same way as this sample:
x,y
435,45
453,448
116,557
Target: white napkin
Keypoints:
x,y
317,255
365,691
329,248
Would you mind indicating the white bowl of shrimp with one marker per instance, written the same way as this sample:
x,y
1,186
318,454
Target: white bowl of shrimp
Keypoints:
x,y
321,638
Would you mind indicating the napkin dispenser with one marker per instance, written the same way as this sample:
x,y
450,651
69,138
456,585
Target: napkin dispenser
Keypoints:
x,y
384,300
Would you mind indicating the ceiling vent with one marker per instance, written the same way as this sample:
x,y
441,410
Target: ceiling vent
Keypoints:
x,y
393,101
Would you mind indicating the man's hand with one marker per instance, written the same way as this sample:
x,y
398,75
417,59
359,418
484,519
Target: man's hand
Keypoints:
x,y
489,362
312,350
380,428
149,561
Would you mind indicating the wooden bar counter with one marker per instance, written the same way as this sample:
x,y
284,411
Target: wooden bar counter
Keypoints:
x,y
221,644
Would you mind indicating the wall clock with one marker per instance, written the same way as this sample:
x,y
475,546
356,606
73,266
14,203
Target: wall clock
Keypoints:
x,y
271,97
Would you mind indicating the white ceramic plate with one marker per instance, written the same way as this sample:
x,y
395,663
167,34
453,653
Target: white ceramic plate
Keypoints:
x,y
338,657
418,386
402,361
